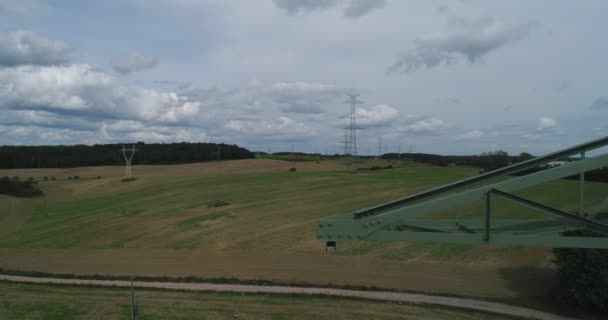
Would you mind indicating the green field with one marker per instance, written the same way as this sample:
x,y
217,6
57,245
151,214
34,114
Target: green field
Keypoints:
x,y
161,224
28,301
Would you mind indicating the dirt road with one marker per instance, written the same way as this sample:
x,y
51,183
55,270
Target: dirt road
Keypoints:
x,y
374,295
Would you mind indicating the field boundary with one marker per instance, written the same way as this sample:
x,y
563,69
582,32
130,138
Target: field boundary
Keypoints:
x,y
415,298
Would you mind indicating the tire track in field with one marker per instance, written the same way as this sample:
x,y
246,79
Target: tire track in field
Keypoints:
x,y
466,303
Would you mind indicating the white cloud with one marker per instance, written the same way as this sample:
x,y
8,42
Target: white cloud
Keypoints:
x,y
78,89
471,39
30,135
50,88
471,135
282,128
133,62
23,47
423,125
303,97
377,115
545,123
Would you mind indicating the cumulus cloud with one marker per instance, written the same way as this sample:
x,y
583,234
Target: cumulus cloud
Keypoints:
x,y
377,115
129,130
472,39
48,88
471,135
546,123
282,128
600,103
421,125
350,8
80,90
27,134
133,62
23,47
303,97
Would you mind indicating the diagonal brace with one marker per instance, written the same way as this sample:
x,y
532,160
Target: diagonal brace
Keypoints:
x,y
589,224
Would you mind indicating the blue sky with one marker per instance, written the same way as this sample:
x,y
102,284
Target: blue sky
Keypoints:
x,y
449,77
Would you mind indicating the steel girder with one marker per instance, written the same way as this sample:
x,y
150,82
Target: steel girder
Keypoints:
x,y
406,219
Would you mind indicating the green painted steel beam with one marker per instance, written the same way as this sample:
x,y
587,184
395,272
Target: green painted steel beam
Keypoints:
x,y
400,220
521,166
495,239
580,221
533,227
344,224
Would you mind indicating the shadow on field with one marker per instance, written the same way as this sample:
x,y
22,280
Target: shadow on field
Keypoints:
x,y
535,288
530,282
538,288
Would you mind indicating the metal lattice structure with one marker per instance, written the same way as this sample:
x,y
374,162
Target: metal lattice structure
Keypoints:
x,y
409,218
128,160
351,138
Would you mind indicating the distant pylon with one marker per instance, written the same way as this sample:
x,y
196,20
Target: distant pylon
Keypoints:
x,y
128,160
346,143
352,128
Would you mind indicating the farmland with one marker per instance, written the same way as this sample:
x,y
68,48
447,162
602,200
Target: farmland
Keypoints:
x,y
161,224
67,303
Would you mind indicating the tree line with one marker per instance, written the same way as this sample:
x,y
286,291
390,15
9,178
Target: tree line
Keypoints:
x,y
487,161
16,187
67,156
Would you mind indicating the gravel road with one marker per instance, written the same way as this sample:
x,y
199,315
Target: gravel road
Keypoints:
x,y
374,295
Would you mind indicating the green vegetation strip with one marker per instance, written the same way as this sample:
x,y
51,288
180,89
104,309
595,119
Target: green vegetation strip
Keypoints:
x,y
50,302
269,287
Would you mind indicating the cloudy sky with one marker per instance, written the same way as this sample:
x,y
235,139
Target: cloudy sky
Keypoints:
x,y
449,77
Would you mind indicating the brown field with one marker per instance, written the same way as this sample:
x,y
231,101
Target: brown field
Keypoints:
x,y
160,225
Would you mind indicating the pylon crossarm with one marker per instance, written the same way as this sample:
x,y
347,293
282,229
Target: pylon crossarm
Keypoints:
x,y
405,222
499,226
518,167
570,218
495,239
358,228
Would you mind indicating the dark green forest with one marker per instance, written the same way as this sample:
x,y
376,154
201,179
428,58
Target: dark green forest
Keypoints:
x,y
67,156
14,186
582,274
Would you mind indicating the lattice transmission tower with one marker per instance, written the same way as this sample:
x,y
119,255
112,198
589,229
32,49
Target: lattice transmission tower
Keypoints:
x,y
128,160
351,142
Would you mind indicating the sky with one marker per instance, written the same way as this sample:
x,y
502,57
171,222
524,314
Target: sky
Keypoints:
x,y
435,76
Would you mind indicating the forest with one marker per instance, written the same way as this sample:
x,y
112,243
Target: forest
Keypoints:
x,y
68,156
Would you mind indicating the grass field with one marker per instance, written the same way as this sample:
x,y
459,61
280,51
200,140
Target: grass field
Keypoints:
x,y
28,301
162,224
